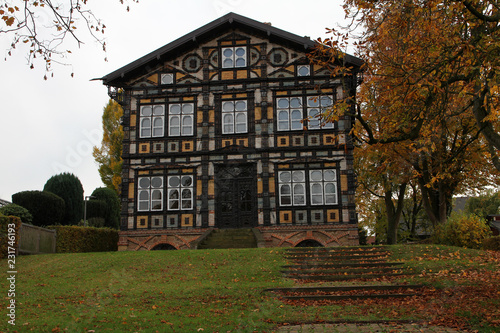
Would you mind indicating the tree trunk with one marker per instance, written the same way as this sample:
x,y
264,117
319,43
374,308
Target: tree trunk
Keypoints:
x,y
394,213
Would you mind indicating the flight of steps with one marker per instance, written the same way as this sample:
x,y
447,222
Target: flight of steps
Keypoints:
x,y
354,272
229,239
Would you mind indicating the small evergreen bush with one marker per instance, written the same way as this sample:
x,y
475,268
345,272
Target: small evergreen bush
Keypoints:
x,y
70,189
19,211
45,207
462,230
112,212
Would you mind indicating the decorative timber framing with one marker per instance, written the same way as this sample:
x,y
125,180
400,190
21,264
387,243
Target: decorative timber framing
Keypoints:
x,y
223,129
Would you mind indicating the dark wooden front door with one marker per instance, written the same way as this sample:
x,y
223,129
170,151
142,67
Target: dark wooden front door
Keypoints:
x,y
236,199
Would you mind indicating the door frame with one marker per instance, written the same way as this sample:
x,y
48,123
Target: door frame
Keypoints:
x,y
235,174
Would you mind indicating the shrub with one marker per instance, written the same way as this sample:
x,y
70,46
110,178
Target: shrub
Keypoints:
x,y
462,230
68,187
492,243
73,239
13,223
45,207
96,208
16,210
112,213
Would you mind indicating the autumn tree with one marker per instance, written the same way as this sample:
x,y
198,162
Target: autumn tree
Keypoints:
x,y
109,155
414,96
450,45
44,25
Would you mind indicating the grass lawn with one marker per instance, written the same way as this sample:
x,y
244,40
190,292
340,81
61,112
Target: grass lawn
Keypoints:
x,y
220,291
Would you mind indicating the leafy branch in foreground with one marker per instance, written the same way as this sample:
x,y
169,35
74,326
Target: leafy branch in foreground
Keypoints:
x,y
44,25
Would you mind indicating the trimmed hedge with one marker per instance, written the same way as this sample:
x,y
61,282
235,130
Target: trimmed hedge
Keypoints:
x,y
74,239
19,211
6,223
46,208
492,243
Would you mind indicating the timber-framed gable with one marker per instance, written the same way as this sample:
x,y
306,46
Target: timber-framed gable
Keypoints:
x,y
224,129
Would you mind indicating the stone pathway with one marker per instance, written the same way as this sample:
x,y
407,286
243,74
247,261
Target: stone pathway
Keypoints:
x,y
365,328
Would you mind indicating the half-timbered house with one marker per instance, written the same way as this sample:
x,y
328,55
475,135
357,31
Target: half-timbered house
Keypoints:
x,y
223,129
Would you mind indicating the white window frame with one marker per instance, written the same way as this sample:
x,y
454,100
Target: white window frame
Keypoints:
x,y
318,105
231,112
300,69
146,188
184,185
326,180
152,125
288,106
234,57
183,118
293,185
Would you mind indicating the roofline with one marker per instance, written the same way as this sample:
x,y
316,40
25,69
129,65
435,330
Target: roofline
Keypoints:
x,y
194,36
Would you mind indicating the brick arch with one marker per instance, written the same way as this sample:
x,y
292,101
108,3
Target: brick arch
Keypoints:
x,y
161,242
309,239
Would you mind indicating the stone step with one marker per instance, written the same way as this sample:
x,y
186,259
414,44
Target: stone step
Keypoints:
x,y
229,239
346,292
339,277
343,265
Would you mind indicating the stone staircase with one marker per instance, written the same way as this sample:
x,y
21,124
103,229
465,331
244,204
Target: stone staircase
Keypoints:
x,y
354,266
229,239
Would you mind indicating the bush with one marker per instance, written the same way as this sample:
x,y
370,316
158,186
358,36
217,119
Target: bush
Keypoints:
x,y
73,239
68,186
45,207
96,208
14,224
462,230
492,243
16,210
112,209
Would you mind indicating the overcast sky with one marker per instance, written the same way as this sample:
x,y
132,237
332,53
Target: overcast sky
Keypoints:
x,y
49,127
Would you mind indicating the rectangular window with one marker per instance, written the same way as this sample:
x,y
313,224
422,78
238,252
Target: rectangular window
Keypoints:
x,y
289,113
234,57
292,188
321,184
181,119
180,192
316,107
150,194
234,117
152,120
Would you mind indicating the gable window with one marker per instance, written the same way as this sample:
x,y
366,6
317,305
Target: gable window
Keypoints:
x,y
180,192
152,120
321,186
304,70
167,78
289,113
181,119
234,57
150,194
234,117
316,106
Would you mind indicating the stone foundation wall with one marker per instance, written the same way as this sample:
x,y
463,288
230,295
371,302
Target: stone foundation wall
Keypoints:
x,y
328,236
137,240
